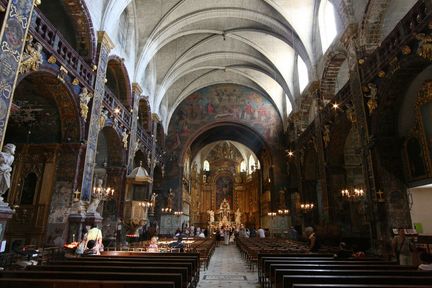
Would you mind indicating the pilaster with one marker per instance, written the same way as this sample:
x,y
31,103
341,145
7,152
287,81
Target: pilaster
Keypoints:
x,y
12,37
133,145
104,48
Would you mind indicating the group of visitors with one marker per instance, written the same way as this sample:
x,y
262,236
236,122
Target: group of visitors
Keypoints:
x,y
191,231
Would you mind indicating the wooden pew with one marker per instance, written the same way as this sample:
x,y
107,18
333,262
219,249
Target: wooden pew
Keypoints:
x,y
70,275
75,283
117,269
270,277
358,286
161,265
193,260
281,273
267,261
290,280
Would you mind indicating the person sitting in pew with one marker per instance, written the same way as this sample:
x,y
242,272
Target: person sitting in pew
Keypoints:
x,y
344,252
178,244
313,241
153,246
426,260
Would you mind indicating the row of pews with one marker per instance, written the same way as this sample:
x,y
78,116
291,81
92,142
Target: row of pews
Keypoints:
x,y
322,270
156,270
251,247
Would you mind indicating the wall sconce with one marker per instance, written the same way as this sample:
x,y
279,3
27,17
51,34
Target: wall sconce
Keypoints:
x,y
352,193
271,214
306,207
283,212
166,210
178,213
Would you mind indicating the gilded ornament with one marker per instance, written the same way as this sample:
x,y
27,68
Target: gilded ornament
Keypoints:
x,y
381,74
125,136
406,50
52,59
373,98
425,46
94,67
75,81
62,74
32,56
361,61
37,2
85,97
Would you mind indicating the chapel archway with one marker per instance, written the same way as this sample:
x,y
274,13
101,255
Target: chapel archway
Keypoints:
x,y
46,128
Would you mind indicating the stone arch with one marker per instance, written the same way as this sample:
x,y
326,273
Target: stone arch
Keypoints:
x,y
329,77
45,86
73,20
109,148
118,80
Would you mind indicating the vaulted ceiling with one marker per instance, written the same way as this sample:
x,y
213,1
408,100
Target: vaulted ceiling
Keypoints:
x,y
176,47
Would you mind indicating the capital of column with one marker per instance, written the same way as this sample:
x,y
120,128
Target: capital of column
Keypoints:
x,y
103,38
136,88
155,117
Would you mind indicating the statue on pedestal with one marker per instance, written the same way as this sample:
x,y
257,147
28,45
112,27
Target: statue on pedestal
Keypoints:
x,y
170,199
153,202
211,214
6,160
238,216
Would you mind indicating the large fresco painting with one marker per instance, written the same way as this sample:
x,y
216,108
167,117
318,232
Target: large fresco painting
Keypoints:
x,y
224,102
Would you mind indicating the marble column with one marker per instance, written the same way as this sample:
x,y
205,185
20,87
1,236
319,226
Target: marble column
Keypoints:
x,y
104,47
136,92
13,37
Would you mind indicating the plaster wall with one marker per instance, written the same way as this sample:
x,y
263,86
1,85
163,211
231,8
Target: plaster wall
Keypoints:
x,y
420,210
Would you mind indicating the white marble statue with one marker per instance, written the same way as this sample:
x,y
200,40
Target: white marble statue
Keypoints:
x,y
211,214
6,160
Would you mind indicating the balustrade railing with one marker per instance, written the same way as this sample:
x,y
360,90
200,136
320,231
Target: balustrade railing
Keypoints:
x,y
145,138
45,33
115,107
414,22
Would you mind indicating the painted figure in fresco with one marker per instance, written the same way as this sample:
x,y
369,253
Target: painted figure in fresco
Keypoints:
x,y
6,160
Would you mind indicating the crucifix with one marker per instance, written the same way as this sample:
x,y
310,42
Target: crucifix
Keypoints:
x,y
380,196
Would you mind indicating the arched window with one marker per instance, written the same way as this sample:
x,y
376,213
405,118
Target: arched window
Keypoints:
x,y
303,76
252,164
327,24
243,166
206,166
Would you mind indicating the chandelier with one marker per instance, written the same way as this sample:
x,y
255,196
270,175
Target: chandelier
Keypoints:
x,y
145,204
103,193
352,193
178,213
271,214
166,210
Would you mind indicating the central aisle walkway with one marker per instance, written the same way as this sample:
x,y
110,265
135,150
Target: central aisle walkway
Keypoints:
x,y
228,269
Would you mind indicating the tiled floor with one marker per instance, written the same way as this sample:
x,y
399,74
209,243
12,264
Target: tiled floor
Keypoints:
x,y
228,269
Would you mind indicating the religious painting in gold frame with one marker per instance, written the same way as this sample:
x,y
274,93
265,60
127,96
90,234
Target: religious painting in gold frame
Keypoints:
x,y
424,122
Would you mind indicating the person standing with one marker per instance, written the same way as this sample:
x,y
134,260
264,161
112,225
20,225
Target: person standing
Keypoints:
x,y
261,233
314,242
402,248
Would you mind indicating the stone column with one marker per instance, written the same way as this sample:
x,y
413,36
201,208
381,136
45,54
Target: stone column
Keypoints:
x,y
13,37
104,47
363,129
155,121
136,92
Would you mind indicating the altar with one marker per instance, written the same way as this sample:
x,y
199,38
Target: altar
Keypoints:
x,y
225,216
